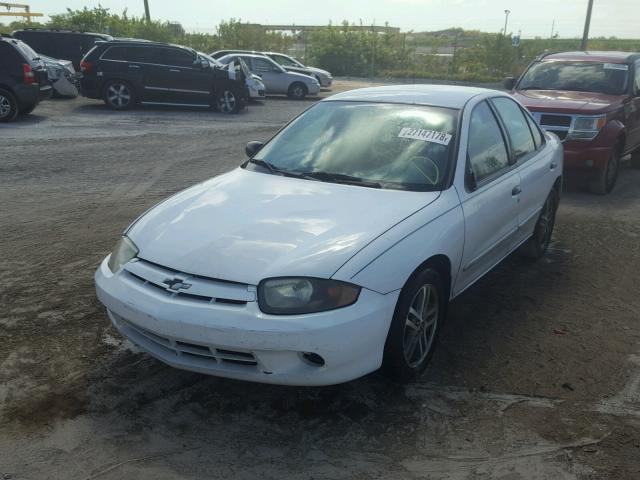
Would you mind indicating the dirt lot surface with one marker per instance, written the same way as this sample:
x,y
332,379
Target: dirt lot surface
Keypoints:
x,y
537,375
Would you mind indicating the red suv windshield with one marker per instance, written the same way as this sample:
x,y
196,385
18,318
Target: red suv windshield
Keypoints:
x,y
607,78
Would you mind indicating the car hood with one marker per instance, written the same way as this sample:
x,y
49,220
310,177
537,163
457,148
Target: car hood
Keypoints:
x,y
301,76
319,71
567,101
245,226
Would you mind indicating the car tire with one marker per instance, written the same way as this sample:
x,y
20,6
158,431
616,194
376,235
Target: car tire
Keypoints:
x,y
538,244
415,327
228,100
605,180
27,110
635,159
119,95
8,106
297,91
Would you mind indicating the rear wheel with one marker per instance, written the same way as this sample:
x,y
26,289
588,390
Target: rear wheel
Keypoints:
x,y
8,106
119,95
415,326
605,179
538,244
297,91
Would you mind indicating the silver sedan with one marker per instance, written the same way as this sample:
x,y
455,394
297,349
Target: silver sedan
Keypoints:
x,y
275,78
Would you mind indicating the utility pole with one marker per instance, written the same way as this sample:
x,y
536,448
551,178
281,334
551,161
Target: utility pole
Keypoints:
x,y
146,10
506,19
587,23
553,27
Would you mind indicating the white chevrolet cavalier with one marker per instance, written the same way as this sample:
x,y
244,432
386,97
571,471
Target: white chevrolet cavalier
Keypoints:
x,y
337,246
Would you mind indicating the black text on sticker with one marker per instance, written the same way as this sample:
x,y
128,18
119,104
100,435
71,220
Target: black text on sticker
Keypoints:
x,y
425,135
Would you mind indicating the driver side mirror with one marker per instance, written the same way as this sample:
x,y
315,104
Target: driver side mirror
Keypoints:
x,y
252,148
201,63
509,83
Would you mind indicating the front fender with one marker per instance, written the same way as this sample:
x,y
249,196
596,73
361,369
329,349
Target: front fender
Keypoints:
x,y
608,136
387,263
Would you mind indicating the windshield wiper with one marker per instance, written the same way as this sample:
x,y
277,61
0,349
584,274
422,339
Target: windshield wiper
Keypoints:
x,y
340,178
269,166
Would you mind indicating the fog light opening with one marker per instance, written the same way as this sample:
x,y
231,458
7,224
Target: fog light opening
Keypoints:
x,y
313,359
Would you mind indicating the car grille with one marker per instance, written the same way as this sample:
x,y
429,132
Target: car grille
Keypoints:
x,y
207,356
172,283
555,120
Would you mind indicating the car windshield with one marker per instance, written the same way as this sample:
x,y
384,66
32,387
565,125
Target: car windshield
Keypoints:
x,y
383,145
287,61
607,78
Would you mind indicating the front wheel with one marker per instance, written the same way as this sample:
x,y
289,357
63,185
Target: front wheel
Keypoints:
x,y
119,95
227,100
605,180
297,91
537,245
8,106
415,326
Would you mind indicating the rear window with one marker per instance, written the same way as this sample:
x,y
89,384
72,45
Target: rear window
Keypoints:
x,y
26,51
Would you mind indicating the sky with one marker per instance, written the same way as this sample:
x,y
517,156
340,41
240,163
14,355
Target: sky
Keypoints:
x,y
620,18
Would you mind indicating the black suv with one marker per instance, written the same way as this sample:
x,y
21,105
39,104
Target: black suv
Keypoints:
x,y
23,79
64,44
126,72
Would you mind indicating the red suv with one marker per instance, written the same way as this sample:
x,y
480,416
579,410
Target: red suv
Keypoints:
x,y
591,100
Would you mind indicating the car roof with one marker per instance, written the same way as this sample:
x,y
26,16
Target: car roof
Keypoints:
x,y
594,56
55,30
140,42
243,54
448,96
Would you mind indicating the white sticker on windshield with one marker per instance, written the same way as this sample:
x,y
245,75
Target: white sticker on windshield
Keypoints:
x,y
425,135
616,66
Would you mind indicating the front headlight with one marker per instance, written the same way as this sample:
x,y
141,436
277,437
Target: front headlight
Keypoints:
x,y
297,295
124,251
588,127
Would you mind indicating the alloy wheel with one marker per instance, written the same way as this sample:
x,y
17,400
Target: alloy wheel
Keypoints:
x,y
420,325
5,106
298,91
227,102
118,95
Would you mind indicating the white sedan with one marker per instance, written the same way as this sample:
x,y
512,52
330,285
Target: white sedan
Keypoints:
x,y
335,249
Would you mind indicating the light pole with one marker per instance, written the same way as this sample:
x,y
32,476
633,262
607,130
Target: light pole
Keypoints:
x,y
146,10
506,19
587,23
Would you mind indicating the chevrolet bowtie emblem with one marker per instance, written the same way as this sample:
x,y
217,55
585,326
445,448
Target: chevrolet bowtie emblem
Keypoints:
x,y
176,284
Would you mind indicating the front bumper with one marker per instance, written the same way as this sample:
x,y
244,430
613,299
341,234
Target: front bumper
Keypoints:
x,y
584,158
325,82
313,88
241,342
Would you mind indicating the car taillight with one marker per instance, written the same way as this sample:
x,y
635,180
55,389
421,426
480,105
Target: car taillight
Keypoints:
x,y
85,67
28,76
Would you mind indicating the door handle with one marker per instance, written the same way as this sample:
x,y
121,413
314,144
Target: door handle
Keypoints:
x,y
516,191
553,166
174,70
134,66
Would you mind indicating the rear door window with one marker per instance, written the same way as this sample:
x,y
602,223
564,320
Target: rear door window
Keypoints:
x,y
263,65
175,57
517,127
487,152
10,59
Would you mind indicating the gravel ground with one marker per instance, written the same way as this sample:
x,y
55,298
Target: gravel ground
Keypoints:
x,y
537,375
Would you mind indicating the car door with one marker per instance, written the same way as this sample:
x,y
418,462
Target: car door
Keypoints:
x,y
489,197
534,164
272,75
124,62
186,82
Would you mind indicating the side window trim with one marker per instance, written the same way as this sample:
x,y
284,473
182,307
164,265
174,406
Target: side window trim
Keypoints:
x,y
498,173
533,124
